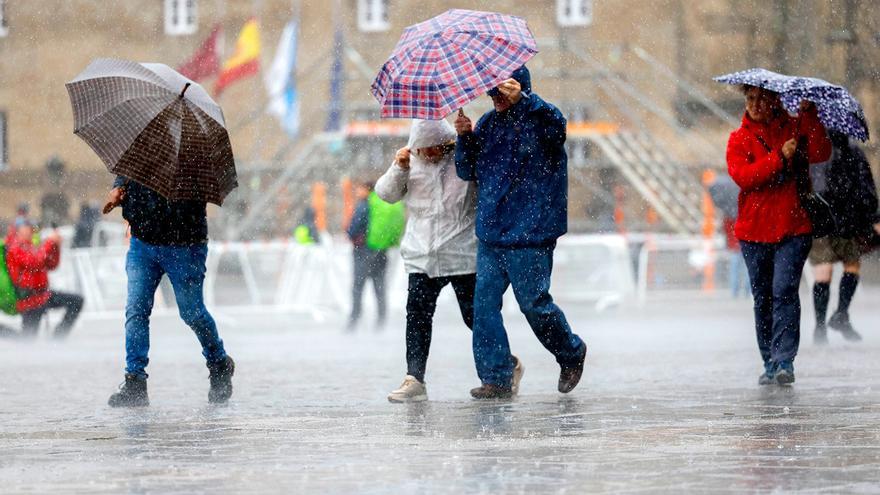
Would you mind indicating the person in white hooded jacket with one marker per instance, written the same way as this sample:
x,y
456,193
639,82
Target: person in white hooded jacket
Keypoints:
x,y
439,246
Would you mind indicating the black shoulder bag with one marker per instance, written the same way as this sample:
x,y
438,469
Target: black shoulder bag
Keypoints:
x,y
817,208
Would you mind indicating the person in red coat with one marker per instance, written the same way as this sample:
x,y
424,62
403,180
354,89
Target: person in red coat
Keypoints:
x,y
773,228
28,267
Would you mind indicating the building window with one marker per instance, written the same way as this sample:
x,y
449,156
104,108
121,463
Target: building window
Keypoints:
x,y
4,25
373,15
4,151
574,12
180,17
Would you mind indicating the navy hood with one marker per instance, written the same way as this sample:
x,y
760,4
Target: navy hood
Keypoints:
x,y
523,77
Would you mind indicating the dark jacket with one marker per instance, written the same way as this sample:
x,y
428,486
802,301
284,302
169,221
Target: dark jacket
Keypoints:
x,y
155,220
850,190
518,160
360,220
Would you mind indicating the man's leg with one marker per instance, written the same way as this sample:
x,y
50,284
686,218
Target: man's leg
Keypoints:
x,y
530,270
789,259
759,262
359,279
72,304
821,294
144,273
848,284
185,267
378,269
30,322
840,319
420,306
490,345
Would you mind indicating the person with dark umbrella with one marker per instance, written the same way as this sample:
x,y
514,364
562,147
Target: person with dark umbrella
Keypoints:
x,y
165,139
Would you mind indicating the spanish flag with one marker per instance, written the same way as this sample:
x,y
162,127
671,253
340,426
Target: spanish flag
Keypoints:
x,y
246,59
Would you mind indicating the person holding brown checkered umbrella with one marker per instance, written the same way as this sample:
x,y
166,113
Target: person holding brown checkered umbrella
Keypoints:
x,y
165,139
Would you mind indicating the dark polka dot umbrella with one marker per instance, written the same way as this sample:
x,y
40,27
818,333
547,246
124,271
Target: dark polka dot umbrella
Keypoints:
x,y
838,109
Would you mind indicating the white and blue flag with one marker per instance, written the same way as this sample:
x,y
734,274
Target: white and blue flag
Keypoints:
x,y
281,81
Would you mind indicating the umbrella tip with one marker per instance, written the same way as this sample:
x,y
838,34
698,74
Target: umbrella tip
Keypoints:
x,y
184,89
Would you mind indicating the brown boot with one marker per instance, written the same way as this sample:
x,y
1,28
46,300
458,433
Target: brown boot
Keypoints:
x,y
489,391
569,376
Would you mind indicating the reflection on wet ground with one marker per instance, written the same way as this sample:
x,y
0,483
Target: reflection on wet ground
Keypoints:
x,y
665,406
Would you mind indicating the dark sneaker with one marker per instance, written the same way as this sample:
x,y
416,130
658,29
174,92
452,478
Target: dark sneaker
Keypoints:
x,y
132,393
841,323
489,391
820,335
221,380
784,373
570,376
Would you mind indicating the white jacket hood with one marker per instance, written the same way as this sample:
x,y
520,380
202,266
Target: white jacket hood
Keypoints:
x,y
428,133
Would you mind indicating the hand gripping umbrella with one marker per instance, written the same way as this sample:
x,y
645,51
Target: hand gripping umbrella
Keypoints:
x,y
838,109
444,63
154,126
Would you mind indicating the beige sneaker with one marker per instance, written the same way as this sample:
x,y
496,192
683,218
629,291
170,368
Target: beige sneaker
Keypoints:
x,y
411,390
518,371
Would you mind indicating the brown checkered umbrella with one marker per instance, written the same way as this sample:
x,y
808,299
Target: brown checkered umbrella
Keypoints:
x,y
154,126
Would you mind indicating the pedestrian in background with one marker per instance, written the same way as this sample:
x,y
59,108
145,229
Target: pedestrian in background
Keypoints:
x,y
375,227
774,229
516,155
847,185
724,193
28,264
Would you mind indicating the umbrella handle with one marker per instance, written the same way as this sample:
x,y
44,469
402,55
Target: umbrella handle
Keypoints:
x,y
186,87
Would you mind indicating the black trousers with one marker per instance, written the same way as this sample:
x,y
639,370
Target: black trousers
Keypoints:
x,y
368,265
72,304
420,306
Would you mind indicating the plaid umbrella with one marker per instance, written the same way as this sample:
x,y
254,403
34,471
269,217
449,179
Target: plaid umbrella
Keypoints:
x,y
151,124
444,63
838,109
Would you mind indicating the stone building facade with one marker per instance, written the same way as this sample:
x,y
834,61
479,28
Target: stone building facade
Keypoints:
x,y
584,44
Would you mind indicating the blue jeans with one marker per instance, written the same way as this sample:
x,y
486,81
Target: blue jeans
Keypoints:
x,y
528,271
185,267
775,272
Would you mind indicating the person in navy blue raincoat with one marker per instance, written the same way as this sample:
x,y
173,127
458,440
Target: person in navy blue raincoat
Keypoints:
x,y
516,154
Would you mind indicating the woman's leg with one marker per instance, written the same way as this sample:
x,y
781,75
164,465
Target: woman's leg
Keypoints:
x,y
420,306
759,262
788,261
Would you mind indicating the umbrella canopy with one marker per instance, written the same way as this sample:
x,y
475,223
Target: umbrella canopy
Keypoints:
x,y
151,124
838,109
444,63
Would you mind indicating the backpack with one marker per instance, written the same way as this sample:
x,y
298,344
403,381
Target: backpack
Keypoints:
x,y
8,298
385,224
850,191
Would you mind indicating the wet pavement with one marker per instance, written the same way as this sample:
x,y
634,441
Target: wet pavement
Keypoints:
x,y
669,403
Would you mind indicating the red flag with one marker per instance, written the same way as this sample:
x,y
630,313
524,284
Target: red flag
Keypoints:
x,y
246,59
205,62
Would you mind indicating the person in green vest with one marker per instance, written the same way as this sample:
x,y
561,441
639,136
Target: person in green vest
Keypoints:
x,y
375,227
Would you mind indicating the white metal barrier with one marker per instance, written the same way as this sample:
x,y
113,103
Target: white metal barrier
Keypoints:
x,y
285,277
679,265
